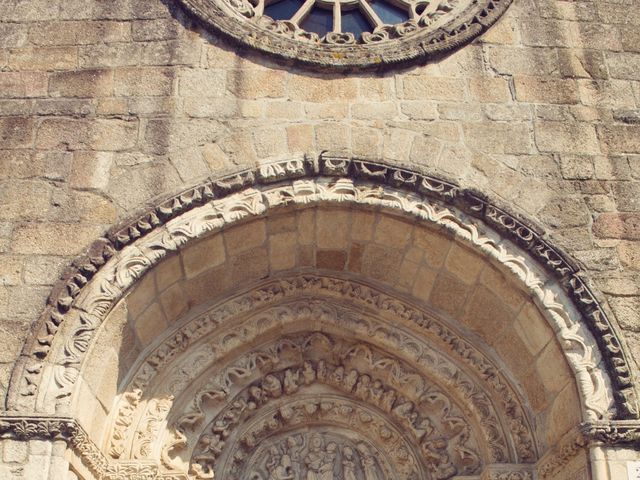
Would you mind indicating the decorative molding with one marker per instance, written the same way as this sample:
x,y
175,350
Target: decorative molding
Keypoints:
x,y
423,412
327,291
434,28
398,188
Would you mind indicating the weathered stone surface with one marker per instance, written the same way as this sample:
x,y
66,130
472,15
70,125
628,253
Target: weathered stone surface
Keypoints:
x,y
107,108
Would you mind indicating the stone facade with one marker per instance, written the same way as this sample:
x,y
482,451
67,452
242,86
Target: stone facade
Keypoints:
x,y
165,170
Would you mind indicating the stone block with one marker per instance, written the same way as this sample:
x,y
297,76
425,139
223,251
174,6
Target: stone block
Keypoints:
x,y
533,329
44,58
553,369
11,270
333,136
333,229
625,65
143,81
407,274
23,84
626,195
306,226
485,313
426,87
463,263
168,272
376,89
174,302
91,170
381,263
321,89
282,109
606,93
249,266
624,226
629,253
150,324
198,83
420,110
245,237
81,83
54,238
300,138
564,137
160,29
575,63
513,352
204,255
563,415
15,451
142,295
434,245
538,32
99,134
283,250
620,138
43,269
169,53
109,55
575,167
541,90
499,283
16,132
209,285
252,83
392,232
522,61
627,312
423,284
496,137
366,142
489,89
331,259
270,141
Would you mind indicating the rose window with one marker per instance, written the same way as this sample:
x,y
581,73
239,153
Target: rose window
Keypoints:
x,y
349,34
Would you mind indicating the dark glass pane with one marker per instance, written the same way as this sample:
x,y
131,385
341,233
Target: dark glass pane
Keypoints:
x,y
283,10
355,22
319,21
388,13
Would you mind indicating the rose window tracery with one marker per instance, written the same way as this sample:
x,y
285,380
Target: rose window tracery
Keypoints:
x,y
350,33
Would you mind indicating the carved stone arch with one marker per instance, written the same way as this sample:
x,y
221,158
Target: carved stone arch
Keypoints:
x,y
116,288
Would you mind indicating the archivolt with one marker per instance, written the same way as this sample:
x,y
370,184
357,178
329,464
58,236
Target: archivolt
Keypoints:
x,y
116,262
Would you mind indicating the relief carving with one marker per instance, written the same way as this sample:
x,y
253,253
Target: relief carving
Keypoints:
x,y
400,341
99,275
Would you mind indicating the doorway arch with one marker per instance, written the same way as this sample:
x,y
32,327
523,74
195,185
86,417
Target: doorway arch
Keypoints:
x,y
375,281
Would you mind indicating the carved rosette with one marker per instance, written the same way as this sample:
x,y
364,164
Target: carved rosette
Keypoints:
x,y
429,28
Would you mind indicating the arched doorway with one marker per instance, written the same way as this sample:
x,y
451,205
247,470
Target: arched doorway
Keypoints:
x,y
326,318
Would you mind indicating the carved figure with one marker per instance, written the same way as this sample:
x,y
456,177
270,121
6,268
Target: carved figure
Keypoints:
x,y
283,470
348,464
314,459
272,386
308,373
368,463
291,379
328,463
